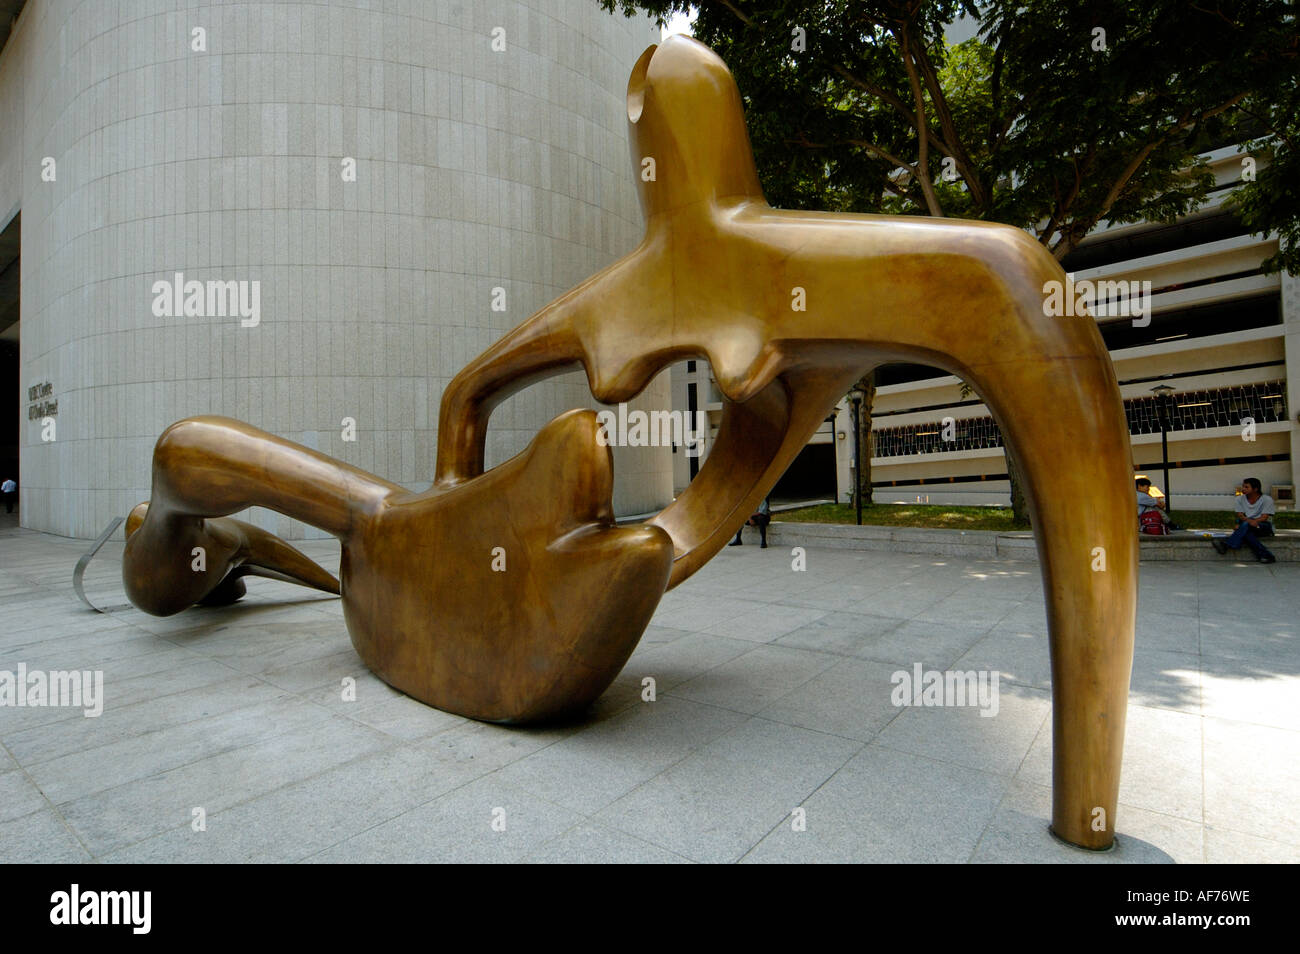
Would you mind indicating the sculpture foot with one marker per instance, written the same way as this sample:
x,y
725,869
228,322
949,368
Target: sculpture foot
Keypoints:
x,y
174,562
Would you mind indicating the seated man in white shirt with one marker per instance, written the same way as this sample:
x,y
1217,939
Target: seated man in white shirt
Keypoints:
x,y
1255,512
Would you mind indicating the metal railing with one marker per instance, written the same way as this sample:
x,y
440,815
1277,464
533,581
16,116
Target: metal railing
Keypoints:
x,y
1261,403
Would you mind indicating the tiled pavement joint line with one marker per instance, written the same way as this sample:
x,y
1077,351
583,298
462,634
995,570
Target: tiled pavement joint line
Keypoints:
x,y
205,756
1178,818
643,841
1220,827
428,801
690,753
591,820
1047,719
938,761
644,782
19,767
1008,779
803,801
54,809
414,744
803,728
975,848
1205,849
397,743
200,718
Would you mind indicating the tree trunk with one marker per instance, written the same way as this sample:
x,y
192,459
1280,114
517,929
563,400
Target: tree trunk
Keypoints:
x,y
868,386
1019,507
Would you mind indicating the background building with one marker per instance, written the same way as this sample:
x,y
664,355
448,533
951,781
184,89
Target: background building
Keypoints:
x,y
140,140
1223,338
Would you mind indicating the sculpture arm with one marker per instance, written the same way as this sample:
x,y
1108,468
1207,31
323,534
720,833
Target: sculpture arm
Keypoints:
x,y
543,346
182,547
558,338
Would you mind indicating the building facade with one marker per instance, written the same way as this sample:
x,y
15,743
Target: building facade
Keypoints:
x,y
1214,364
1216,359
307,216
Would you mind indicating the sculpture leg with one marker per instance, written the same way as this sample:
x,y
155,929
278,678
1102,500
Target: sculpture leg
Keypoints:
x,y
182,548
1064,422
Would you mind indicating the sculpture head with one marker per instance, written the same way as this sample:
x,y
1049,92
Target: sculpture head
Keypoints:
x,y
684,112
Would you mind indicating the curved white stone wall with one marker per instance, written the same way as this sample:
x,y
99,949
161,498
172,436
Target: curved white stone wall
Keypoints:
x,y
475,169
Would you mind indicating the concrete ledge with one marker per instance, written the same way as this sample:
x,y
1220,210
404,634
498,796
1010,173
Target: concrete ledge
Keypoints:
x,y
990,544
1194,545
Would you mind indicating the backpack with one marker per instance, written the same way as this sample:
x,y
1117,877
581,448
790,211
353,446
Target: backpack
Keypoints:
x,y
1152,522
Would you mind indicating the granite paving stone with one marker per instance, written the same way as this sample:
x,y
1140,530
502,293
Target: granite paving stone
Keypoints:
x,y
773,691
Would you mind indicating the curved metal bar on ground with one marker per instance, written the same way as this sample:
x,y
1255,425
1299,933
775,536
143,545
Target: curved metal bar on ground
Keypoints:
x,y
79,571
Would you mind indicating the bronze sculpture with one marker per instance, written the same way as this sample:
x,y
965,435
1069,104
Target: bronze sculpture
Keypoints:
x,y
790,308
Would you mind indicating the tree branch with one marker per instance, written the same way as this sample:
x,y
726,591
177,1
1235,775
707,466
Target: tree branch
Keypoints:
x,y
941,111
922,127
890,99
883,154
1117,189
732,7
1062,208
1069,240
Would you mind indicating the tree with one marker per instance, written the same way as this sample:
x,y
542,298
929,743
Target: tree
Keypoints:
x,y
1019,502
1057,116
1272,202
862,475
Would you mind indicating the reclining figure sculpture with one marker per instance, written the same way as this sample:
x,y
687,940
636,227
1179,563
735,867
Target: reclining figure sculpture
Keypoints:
x,y
717,276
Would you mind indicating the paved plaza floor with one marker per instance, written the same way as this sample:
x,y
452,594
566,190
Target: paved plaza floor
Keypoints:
x,y
773,692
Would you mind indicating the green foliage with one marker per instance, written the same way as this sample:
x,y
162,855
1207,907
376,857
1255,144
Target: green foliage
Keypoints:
x,y
935,516
1272,202
1039,121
